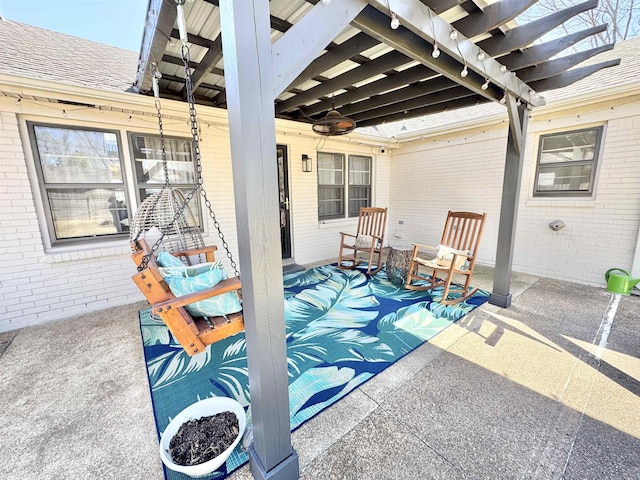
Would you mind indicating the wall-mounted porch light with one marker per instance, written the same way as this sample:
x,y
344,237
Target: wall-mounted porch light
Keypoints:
x,y
307,163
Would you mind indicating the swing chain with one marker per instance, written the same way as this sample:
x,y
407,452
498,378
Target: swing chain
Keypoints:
x,y
184,52
163,146
167,185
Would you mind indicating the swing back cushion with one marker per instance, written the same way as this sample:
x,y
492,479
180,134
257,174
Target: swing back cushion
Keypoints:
x,y
183,280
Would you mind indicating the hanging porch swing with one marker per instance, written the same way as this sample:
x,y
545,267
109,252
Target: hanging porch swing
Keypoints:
x,y
166,242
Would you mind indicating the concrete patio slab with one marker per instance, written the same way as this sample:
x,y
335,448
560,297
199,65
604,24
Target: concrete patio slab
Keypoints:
x,y
547,388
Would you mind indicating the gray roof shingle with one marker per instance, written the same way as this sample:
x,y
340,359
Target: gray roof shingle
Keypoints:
x,y
31,51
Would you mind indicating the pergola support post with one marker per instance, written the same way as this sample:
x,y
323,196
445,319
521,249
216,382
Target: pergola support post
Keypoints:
x,y
249,85
518,120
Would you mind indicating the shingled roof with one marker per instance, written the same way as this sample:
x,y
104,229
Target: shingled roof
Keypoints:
x,y
30,51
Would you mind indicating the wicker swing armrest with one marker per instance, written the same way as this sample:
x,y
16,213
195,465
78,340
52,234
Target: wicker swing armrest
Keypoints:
x,y
224,286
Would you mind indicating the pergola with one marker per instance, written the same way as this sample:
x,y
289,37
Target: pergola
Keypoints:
x,y
376,61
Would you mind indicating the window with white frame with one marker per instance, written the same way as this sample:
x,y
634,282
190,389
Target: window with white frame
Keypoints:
x,y
82,183
148,168
567,161
343,188
81,177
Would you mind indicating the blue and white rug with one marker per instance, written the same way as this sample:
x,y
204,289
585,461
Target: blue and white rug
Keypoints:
x,y
343,328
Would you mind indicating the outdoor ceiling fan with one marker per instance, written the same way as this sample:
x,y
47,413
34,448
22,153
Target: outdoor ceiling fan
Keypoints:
x,y
333,123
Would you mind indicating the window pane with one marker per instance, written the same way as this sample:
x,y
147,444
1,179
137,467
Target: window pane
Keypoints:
x,y
147,152
330,202
88,212
359,170
574,178
358,197
330,169
569,147
78,156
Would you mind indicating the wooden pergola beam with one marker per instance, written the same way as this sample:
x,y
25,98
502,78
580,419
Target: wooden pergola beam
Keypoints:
x,y
524,35
423,23
175,78
443,96
407,93
406,77
560,65
177,61
515,126
208,62
275,22
309,36
426,110
492,17
192,38
544,51
441,6
173,95
346,50
154,40
379,65
571,76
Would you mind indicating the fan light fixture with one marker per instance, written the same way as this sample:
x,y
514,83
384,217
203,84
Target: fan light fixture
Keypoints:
x,y
333,124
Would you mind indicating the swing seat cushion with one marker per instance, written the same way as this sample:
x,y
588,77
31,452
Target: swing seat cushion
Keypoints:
x,y
183,280
165,259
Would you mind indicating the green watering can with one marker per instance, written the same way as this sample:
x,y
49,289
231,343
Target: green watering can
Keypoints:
x,y
620,281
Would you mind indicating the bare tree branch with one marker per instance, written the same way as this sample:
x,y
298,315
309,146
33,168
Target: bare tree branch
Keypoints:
x,y
622,16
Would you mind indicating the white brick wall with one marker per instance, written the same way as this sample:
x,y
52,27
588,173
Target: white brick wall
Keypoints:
x,y
419,182
39,283
36,287
431,176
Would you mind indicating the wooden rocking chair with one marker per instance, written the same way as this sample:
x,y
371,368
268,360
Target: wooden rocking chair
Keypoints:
x,y
456,254
193,333
369,240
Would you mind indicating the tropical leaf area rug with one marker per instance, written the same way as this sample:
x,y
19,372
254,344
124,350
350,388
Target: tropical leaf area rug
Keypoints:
x,y
343,327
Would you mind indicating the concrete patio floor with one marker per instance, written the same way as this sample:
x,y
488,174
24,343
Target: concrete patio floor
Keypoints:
x,y
548,388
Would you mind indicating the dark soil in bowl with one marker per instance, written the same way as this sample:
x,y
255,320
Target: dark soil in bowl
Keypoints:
x,y
200,440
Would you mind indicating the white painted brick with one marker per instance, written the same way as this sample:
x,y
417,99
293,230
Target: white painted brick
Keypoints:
x,y
419,183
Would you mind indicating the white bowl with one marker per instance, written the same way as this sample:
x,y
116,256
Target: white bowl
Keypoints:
x,y
203,408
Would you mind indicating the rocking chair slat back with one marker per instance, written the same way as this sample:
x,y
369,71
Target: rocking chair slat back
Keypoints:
x,y
368,241
463,230
372,221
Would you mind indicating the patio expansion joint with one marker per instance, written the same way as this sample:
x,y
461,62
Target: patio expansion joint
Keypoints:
x,y
600,338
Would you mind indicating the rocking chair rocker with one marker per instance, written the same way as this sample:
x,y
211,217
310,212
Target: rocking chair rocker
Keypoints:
x,y
456,254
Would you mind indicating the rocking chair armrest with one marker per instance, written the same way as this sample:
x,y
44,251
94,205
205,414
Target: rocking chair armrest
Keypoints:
x,y
225,286
418,246
208,251
348,235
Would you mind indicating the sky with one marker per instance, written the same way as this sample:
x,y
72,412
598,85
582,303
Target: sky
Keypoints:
x,y
115,22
